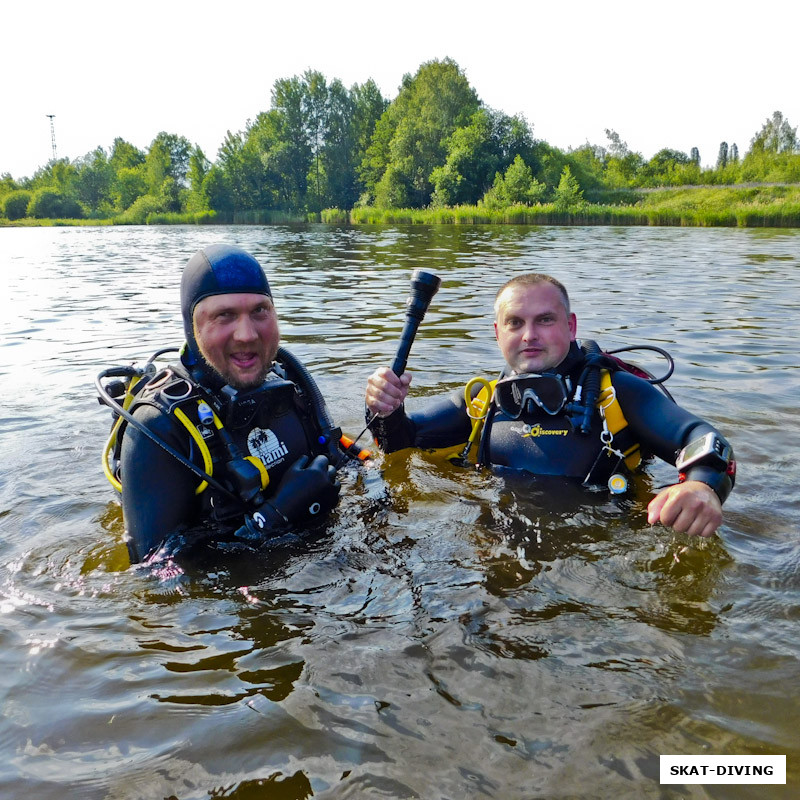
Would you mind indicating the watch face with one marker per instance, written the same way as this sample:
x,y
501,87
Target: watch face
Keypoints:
x,y
695,449
709,447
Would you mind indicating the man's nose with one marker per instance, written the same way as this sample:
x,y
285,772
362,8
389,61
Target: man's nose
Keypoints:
x,y
245,330
531,332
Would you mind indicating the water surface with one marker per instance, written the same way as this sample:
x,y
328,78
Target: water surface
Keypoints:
x,y
449,634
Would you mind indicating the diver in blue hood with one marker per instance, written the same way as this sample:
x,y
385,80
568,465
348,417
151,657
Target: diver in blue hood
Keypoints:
x,y
230,442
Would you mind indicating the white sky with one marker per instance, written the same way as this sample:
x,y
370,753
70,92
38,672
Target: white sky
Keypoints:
x,y
675,74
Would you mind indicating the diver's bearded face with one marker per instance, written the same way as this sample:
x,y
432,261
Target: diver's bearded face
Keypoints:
x,y
238,336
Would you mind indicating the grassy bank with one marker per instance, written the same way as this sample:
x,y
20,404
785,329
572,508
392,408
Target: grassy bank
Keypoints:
x,y
722,206
764,206
253,217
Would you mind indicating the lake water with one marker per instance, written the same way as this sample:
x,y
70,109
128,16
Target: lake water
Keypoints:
x,y
451,634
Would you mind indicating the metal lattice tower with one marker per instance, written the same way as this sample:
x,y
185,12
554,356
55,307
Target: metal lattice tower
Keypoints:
x,y
51,117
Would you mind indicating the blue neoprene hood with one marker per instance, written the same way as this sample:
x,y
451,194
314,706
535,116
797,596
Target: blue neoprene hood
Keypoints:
x,y
217,269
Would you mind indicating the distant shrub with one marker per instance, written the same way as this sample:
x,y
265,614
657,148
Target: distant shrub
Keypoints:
x,y
52,204
15,204
140,209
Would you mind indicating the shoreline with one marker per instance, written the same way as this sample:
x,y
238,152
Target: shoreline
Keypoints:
x,y
741,206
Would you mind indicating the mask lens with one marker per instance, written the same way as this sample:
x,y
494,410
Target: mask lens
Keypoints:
x,y
527,392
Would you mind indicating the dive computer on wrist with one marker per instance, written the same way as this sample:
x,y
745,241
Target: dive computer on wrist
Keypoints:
x,y
710,450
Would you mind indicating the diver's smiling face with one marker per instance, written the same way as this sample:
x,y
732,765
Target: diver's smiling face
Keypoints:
x,y
533,327
238,336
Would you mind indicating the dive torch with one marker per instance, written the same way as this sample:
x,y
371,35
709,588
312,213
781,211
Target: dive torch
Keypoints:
x,y
424,286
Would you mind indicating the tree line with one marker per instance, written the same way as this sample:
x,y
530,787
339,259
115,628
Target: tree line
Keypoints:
x,y
324,146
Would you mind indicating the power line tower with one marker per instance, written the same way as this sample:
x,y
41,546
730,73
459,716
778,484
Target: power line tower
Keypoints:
x,y
51,117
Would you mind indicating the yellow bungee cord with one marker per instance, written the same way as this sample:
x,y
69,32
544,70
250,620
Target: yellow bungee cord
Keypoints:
x,y
477,409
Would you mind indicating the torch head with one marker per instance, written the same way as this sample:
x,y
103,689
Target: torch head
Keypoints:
x,y
424,286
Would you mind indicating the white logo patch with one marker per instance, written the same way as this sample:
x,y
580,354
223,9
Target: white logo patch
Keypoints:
x,y
266,445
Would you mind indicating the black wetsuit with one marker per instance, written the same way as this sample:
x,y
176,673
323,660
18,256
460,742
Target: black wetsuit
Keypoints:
x,y
550,445
159,493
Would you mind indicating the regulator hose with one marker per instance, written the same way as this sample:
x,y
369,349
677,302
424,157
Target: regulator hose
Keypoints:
x,y
589,386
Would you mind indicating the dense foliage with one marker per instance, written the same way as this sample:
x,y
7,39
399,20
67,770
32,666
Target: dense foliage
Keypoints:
x,y
321,146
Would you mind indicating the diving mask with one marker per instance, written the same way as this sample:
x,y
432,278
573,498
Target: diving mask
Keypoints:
x,y
525,392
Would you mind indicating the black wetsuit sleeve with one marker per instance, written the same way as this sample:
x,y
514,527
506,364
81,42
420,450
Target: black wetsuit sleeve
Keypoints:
x,y
442,423
158,492
663,428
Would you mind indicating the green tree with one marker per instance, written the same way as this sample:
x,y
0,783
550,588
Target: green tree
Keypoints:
x,y
58,175
129,181
128,186
621,164
568,195
392,189
471,161
773,154
53,204
199,165
476,152
551,162
368,107
775,136
240,158
124,154
587,164
338,157
15,204
521,186
516,187
7,184
377,156
167,165
217,190
94,181
722,156
411,136
662,168
290,153
314,104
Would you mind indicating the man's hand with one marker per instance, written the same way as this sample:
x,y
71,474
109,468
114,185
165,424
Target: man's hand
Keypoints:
x,y
385,391
307,489
691,507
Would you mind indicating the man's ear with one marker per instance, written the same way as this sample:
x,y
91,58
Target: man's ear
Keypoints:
x,y
573,325
495,329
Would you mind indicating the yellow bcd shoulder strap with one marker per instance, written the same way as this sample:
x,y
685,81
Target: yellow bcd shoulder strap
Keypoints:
x,y
617,425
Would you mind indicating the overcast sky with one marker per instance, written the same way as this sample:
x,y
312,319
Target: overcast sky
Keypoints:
x,y
675,74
